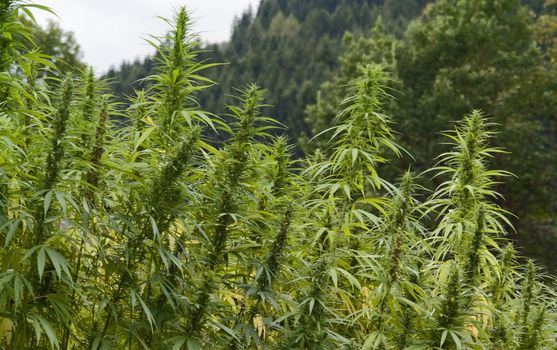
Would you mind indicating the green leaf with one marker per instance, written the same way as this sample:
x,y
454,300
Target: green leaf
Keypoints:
x,y
62,202
12,228
193,344
144,136
96,343
334,276
443,338
354,155
59,262
41,261
47,202
146,310
155,228
177,342
456,339
49,331
5,278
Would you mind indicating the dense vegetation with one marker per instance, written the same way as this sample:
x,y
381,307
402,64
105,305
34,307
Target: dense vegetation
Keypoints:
x,y
455,56
493,55
136,230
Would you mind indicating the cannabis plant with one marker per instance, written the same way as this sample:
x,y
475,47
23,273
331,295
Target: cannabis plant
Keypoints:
x,y
162,226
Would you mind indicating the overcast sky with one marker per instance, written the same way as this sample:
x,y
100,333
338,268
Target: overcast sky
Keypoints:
x,y
110,31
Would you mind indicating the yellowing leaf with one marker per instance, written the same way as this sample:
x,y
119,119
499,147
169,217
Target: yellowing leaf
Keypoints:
x,y
6,330
259,325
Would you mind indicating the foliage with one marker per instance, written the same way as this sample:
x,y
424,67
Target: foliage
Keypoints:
x,y
137,230
460,55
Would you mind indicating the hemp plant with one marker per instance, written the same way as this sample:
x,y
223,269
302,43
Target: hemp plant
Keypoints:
x,y
163,226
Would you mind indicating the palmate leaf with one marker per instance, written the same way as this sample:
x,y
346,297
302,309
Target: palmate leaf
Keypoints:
x,y
43,326
10,227
59,262
41,261
146,311
375,340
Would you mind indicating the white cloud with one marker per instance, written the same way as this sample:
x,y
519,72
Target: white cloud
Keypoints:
x,y
110,31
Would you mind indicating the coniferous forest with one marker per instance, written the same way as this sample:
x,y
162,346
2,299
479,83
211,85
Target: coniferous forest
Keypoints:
x,y
390,185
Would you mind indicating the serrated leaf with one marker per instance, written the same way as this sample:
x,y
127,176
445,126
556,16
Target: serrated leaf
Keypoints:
x,y
47,202
41,261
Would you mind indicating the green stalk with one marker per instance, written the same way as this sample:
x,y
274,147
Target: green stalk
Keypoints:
x,y
92,179
56,153
266,274
54,158
159,209
473,260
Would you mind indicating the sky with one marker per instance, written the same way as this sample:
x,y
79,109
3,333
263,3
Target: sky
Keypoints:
x,y
110,31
